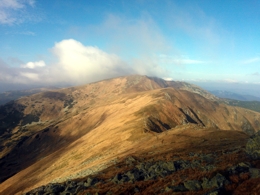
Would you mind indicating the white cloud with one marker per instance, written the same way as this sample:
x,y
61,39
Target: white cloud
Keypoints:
x,y
230,81
12,11
128,37
178,61
33,65
251,60
75,63
5,18
148,66
168,79
30,76
80,64
185,61
193,21
12,4
29,33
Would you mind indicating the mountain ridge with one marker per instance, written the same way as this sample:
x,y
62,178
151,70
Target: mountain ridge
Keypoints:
x,y
111,117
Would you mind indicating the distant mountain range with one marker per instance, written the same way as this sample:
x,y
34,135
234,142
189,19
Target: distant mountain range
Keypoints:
x,y
234,96
16,94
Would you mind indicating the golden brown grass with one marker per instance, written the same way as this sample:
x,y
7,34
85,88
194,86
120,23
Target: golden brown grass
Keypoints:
x,y
106,123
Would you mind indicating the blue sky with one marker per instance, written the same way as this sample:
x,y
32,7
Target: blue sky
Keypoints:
x,y
54,42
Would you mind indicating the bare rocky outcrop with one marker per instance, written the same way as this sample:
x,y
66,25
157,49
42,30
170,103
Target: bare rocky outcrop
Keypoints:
x,y
143,174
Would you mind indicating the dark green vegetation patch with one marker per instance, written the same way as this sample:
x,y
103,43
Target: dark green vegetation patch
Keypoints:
x,y
28,119
253,146
10,116
68,103
251,105
54,95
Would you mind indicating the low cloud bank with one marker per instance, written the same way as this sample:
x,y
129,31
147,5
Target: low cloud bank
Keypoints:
x,y
75,64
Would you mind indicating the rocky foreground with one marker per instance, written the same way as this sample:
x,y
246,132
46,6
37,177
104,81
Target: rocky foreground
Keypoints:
x,y
227,170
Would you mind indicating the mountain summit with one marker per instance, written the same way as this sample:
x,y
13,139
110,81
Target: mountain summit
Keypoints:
x,y
69,133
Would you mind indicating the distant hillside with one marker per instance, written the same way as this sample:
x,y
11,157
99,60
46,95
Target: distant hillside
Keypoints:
x,y
234,96
234,99
16,94
251,105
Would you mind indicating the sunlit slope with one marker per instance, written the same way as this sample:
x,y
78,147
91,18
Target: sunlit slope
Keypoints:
x,y
74,132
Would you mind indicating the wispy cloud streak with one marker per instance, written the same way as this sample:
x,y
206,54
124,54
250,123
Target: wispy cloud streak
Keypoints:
x,y
12,11
179,61
251,61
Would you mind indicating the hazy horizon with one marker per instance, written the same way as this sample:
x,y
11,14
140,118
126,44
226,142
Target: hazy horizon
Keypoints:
x,y
238,88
